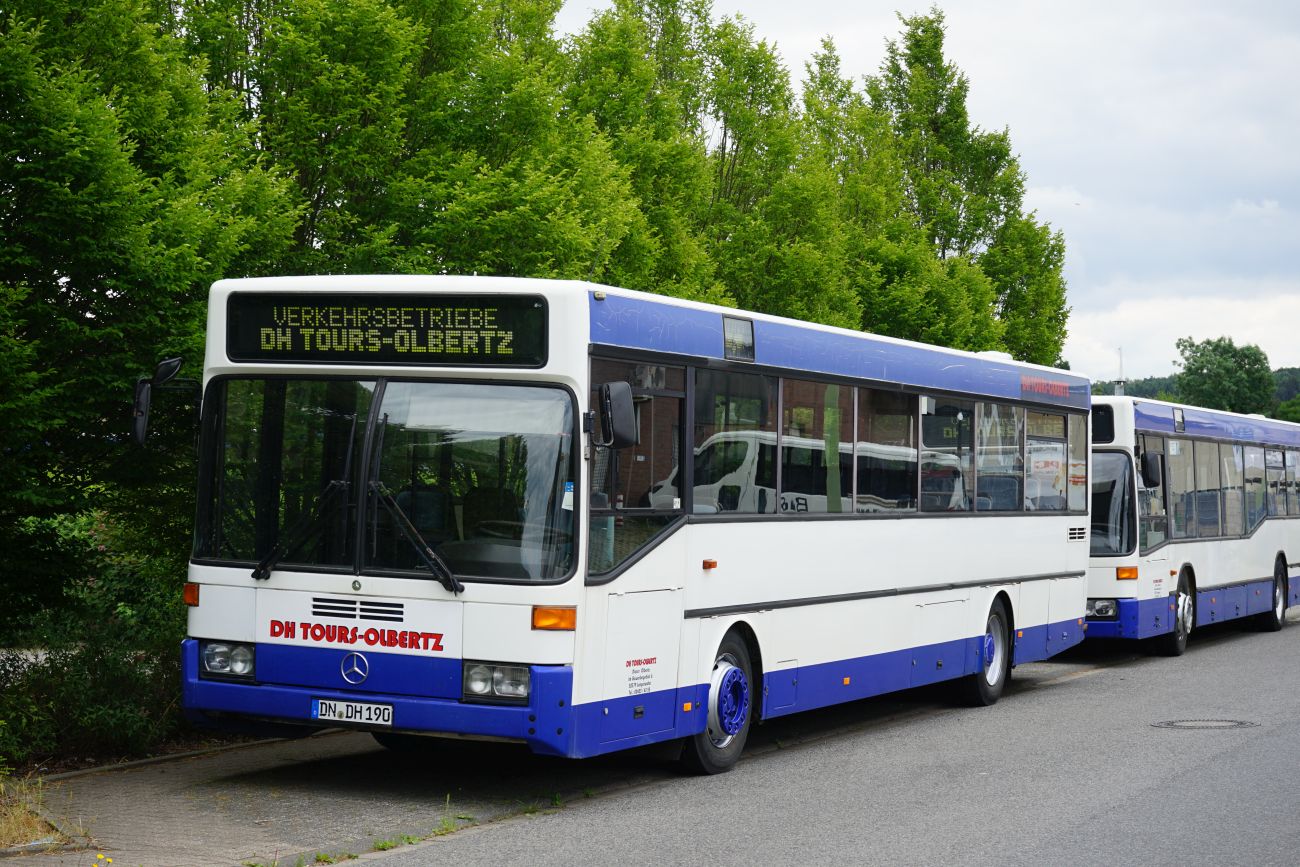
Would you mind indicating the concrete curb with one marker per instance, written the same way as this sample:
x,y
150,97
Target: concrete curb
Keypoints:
x,y
188,754
80,841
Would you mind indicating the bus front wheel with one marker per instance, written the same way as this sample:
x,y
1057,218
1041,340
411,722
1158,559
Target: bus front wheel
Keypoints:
x,y
1275,618
730,711
985,686
1173,643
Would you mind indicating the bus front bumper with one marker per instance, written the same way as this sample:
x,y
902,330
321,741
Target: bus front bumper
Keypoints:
x,y
1135,618
545,724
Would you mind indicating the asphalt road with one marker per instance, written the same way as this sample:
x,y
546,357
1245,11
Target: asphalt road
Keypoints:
x,y
1068,767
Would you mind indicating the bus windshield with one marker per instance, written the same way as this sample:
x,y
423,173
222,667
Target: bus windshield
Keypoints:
x,y
1112,503
483,474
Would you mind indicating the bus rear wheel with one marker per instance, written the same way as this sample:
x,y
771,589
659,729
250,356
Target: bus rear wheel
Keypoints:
x,y
1173,643
1275,618
730,711
985,686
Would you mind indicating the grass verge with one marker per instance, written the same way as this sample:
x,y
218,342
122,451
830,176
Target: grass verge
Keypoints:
x,y
18,824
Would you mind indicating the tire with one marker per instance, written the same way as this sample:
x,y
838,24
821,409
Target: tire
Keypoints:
x,y
985,686
730,712
1275,618
1174,642
407,744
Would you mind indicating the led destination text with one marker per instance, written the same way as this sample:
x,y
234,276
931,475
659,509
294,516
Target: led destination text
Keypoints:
x,y
504,330
441,330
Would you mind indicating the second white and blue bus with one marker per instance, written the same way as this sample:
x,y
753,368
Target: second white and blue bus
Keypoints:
x,y
1195,520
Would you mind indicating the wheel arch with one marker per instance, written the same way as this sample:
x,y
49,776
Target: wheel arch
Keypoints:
x,y
746,633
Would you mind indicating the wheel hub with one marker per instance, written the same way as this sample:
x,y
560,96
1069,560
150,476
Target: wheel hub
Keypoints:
x,y
728,702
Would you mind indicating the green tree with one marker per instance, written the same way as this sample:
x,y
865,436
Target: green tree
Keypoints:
x,y
1288,410
965,188
632,70
331,81
1025,263
127,190
1218,374
499,179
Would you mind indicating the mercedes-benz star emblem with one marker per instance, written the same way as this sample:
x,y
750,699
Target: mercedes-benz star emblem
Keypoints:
x,y
355,668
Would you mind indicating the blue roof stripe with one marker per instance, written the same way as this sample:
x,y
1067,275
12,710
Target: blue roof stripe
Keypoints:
x,y
642,323
1159,418
638,324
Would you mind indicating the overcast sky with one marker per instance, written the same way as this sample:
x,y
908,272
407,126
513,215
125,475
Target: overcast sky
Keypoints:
x,y
1160,137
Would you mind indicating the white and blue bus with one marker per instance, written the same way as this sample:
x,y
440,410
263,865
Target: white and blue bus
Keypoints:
x,y
588,519
1195,520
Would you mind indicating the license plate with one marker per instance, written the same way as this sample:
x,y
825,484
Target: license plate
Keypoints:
x,y
352,712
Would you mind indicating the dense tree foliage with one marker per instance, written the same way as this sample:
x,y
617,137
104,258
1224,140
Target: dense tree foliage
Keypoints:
x,y
150,147
1218,374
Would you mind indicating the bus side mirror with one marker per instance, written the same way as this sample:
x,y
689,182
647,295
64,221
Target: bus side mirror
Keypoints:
x,y
164,373
1151,475
618,416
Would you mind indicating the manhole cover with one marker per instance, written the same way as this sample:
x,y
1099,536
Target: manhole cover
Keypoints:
x,y
1205,724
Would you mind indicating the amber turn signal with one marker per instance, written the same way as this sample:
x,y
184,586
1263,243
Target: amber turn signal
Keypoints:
x,y
1126,573
191,594
709,564
551,617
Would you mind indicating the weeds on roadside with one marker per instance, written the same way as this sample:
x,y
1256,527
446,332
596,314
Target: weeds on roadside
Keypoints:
x,y
18,824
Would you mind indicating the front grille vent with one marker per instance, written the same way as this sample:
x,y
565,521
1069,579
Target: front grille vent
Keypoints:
x,y
1077,534
356,609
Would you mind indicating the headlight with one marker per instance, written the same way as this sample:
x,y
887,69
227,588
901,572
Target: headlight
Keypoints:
x,y
478,679
1104,608
510,681
490,681
226,659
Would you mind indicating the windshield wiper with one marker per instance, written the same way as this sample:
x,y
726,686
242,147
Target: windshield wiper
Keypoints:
x,y
433,561
298,533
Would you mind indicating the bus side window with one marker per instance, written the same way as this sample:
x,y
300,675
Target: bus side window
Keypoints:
x,y
1153,522
635,492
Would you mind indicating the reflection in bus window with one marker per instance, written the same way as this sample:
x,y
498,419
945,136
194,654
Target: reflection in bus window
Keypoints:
x,y
1233,472
948,448
1078,476
1153,523
886,451
1256,492
1182,506
734,413
1112,503
1273,459
1000,464
489,474
634,496
1045,482
818,421
1208,517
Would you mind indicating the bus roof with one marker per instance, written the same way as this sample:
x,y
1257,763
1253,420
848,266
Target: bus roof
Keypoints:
x,y
627,319
1158,416
636,320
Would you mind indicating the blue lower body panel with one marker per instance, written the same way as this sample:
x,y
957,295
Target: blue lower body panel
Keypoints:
x,y
1135,618
1232,603
1145,618
545,724
812,686
550,724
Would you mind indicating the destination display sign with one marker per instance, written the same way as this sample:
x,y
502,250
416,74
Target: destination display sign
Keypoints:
x,y
388,328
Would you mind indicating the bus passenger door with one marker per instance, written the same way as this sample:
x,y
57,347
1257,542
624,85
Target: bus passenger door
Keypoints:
x,y
639,696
